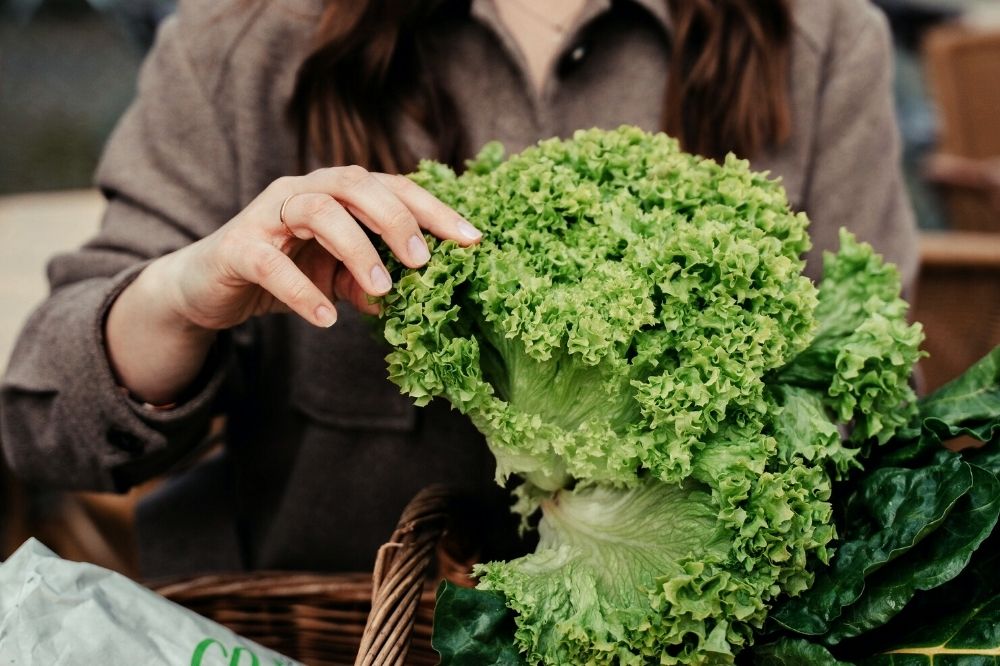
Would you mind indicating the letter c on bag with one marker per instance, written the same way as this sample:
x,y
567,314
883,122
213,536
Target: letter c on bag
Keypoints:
x,y
197,659
199,652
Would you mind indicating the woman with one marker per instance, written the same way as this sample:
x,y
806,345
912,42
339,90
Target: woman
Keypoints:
x,y
173,312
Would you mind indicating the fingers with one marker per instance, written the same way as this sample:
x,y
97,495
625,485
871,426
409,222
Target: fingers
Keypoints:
x,y
277,273
319,267
346,288
376,207
431,213
326,206
394,207
321,217
333,279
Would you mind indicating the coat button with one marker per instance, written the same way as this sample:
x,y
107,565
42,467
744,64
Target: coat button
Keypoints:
x,y
572,59
125,441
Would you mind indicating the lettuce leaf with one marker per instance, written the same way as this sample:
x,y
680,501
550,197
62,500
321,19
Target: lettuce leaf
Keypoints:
x,y
864,350
624,306
636,340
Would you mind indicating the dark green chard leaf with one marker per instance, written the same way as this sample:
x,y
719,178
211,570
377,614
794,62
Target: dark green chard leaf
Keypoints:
x,y
794,652
889,513
933,562
473,628
968,638
917,577
957,624
987,457
969,405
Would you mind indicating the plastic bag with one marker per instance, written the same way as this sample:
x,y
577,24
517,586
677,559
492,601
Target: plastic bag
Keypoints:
x,y
55,613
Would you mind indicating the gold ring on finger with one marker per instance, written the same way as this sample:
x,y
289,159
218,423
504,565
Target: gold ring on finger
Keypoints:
x,y
281,214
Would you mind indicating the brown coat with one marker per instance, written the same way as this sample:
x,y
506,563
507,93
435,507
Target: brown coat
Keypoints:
x,y
322,451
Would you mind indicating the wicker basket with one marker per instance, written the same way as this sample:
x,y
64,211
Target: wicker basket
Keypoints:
x,y
331,619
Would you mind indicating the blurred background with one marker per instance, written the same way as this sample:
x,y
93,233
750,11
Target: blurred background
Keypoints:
x,y
68,69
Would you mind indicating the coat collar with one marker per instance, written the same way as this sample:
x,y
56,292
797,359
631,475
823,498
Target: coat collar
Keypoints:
x,y
485,11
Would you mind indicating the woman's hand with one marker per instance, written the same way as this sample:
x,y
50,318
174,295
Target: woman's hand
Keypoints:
x,y
300,246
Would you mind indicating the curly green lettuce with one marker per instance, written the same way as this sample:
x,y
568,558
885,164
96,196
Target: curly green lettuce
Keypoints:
x,y
625,305
636,340
864,350
665,573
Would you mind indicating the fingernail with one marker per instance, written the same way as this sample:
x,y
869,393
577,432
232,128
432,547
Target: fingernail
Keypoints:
x,y
469,231
380,279
418,250
325,316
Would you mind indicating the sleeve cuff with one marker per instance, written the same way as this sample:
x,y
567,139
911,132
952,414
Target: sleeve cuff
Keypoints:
x,y
65,421
153,438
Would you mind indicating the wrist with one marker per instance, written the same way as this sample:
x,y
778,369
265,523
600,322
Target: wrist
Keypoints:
x,y
163,282
154,350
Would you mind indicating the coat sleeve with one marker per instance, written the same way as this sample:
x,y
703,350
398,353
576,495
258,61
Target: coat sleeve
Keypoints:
x,y
856,177
168,173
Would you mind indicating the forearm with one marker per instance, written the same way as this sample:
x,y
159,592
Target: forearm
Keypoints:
x,y
155,352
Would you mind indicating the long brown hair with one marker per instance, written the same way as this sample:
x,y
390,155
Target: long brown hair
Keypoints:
x,y
727,90
728,80
365,72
